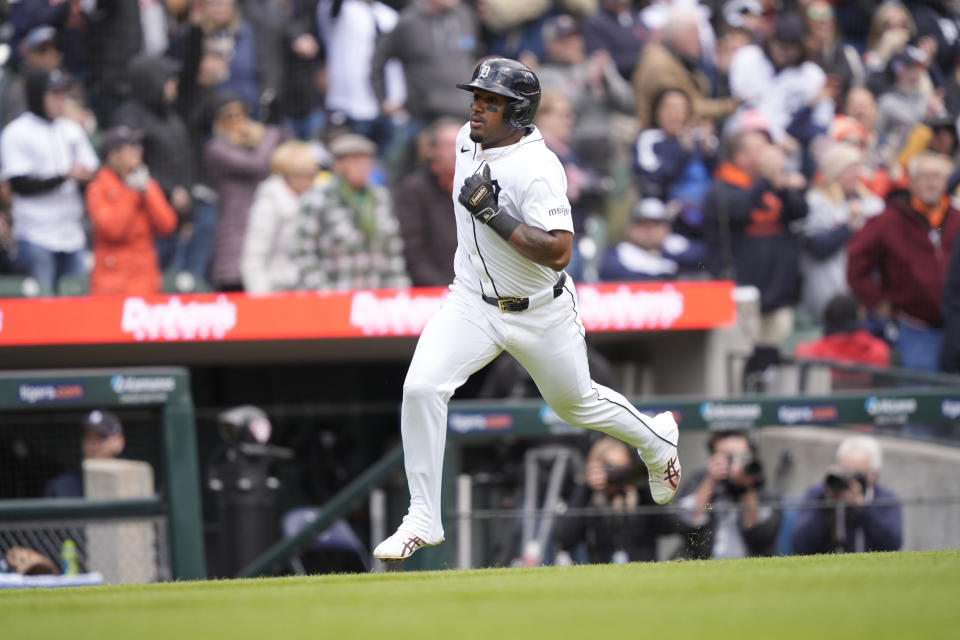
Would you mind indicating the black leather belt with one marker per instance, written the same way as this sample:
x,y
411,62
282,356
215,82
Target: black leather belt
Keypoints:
x,y
515,305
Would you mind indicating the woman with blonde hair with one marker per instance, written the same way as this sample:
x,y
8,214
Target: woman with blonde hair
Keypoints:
x,y
265,265
837,209
891,29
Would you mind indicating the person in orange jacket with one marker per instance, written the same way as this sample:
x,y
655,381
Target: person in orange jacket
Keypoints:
x,y
128,210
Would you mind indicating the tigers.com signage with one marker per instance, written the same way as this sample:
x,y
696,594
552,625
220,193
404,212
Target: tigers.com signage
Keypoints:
x,y
347,314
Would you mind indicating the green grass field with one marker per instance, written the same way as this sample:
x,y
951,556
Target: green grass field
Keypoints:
x,y
898,595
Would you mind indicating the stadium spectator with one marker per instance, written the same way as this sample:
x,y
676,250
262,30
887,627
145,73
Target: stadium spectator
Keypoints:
x,y
651,250
46,158
897,263
778,80
846,341
858,127
436,41
237,160
839,60
910,101
938,33
937,134
891,29
425,209
836,209
128,211
266,264
39,51
300,102
749,228
615,480
102,438
347,236
866,515
248,48
674,63
67,19
615,28
602,99
349,30
167,150
117,32
675,157
726,511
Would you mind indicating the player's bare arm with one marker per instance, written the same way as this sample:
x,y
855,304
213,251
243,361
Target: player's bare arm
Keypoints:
x,y
550,248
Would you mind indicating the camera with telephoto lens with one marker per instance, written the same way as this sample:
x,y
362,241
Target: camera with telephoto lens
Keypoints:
x,y
838,481
752,467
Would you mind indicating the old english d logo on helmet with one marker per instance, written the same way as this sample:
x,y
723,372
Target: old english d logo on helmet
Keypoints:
x,y
513,80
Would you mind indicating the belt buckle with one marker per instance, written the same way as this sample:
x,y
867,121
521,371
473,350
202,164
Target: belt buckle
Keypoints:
x,y
503,301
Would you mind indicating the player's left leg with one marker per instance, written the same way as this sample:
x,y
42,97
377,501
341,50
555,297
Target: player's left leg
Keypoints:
x,y
549,343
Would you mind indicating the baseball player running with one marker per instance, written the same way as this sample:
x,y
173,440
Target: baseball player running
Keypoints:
x,y
510,292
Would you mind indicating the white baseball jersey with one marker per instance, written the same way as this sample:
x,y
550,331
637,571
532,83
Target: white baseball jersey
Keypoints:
x,y
467,332
530,186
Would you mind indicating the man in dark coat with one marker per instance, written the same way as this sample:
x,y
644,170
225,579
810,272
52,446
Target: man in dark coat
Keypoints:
x,y
167,148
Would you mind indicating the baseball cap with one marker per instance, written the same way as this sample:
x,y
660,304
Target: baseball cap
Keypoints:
x,y
789,29
910,57
735,10
351,143
651,209
39,36
103,422
117,137
58,80
560,26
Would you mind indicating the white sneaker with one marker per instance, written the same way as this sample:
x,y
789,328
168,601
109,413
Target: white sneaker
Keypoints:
x,y
400,546
665,474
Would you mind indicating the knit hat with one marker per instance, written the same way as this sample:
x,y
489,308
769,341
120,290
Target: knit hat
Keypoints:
x,y
837,158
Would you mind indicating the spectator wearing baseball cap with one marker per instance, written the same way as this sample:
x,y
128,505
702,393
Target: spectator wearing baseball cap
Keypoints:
x,y
128,210
347,235
779,81
910,100
46,157
102,438
651,251
38,52
601,98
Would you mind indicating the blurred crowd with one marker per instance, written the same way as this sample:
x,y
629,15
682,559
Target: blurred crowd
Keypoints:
x,y
804,147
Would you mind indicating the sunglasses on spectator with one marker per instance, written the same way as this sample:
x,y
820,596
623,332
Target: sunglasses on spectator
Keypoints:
x,y
896,24
820,12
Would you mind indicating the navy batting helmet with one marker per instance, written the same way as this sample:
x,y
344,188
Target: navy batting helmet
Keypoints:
x,y
512,79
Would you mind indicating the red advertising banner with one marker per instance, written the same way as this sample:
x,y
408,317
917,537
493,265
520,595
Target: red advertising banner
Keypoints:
x,y
342,314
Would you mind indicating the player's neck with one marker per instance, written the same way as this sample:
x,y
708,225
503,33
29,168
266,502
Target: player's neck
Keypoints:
x,y
513,137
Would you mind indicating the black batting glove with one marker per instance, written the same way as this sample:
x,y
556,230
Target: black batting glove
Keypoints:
x,y
478,197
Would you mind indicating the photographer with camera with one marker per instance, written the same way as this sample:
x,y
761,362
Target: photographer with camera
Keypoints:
x,y
727,513
864,516
614,479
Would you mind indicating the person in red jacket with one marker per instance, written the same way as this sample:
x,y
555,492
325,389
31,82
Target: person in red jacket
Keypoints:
x,y
846,341
897,263
127,209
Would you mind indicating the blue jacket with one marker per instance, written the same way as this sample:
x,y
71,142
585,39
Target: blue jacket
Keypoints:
x,y
881,525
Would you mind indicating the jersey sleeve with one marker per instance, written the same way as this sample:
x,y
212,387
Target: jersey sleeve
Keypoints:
x,y
15,156
545,203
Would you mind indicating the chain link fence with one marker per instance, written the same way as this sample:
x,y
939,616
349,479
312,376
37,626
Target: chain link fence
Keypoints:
x,y
122,550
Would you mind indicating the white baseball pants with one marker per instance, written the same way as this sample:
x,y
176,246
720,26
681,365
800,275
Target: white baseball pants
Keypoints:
x,y
464,336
